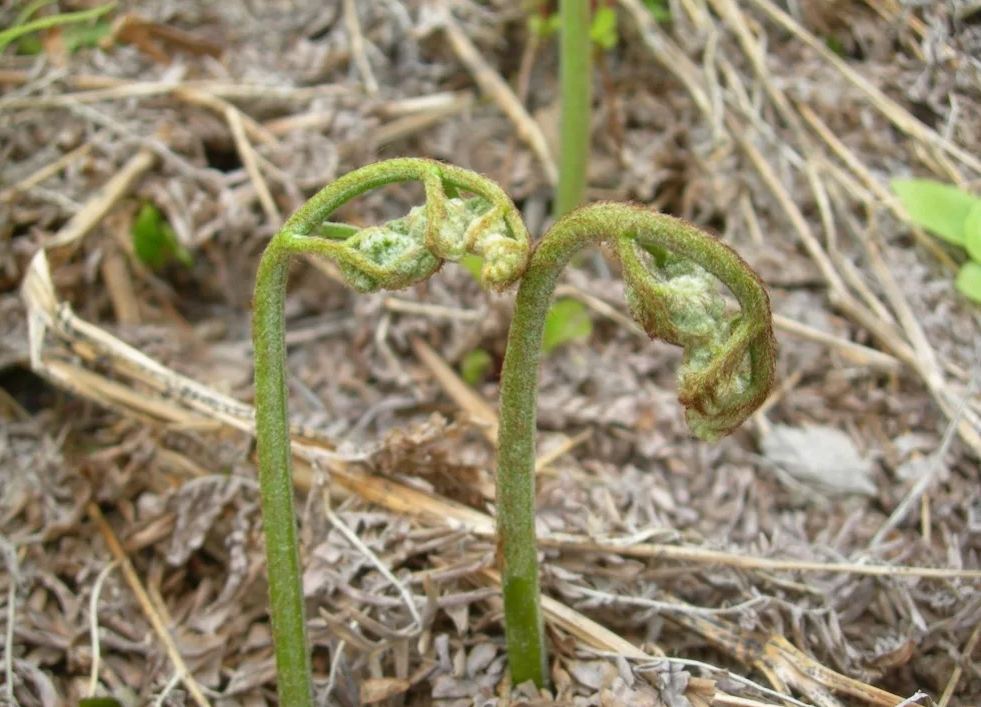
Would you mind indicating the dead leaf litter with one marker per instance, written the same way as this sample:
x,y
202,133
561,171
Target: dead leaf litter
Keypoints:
x,y
776,127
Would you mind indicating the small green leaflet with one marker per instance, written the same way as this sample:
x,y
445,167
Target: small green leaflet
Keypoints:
x,y
603,31
835,45
475,366
659,9
568,320
940,208
969,281
154,240
99,702
544,26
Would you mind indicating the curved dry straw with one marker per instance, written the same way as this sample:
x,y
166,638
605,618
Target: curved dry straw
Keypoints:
x,y
671,270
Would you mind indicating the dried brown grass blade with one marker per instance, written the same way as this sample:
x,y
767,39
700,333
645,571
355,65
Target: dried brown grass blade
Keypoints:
x,y
491,83
152,612
885,105
461,393
103,200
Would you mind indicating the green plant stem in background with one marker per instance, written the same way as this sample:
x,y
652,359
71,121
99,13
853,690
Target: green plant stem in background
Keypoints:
x,y
576,98
394,255
727,372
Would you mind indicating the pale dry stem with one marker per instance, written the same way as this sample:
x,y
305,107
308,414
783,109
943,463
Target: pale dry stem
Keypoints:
x,y
151,611
491,83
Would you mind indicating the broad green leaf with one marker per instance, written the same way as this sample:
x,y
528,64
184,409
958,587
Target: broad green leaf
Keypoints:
x,y
475,366
99,702
972,233
603,31
940,208
969,281
154,241
474,265
568,320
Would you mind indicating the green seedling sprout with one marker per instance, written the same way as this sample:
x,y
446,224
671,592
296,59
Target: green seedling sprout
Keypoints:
x,y
154,241
671,270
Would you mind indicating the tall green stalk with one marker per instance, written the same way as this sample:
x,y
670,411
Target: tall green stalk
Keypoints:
x,y
671,271
727,371
575,76
287,610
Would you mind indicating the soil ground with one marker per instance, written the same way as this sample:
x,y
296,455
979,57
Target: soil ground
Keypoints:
x,y
825,554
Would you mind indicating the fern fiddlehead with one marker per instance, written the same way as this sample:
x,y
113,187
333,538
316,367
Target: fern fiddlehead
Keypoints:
x,y
393,255
727,370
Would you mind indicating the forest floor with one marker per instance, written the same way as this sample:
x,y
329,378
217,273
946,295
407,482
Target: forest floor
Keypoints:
x,y
825,554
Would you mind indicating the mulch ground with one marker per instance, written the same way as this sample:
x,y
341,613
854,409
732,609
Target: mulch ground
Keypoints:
x,y
825,554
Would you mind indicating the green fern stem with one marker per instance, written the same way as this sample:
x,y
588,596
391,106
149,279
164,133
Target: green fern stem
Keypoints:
x,y
393,255
287,611
671,271
727,373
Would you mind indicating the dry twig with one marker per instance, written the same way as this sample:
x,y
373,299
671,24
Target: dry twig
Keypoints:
x,y
491,83
151,611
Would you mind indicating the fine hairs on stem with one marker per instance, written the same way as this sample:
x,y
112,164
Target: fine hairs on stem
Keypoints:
x,y
390,256
671,269
727,371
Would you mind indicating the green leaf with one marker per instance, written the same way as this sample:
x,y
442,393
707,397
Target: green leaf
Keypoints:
x,y
80,36
568,320
972,233
12,33
154,241
474,265
30,46
475,366
940,208
835,45
544,26
99,702
659,9
969,281
603,31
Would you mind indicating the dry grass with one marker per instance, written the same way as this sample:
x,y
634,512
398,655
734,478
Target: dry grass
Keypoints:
x,y
676,573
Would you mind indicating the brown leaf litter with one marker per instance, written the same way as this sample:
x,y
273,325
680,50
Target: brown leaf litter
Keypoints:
x,y
676,573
